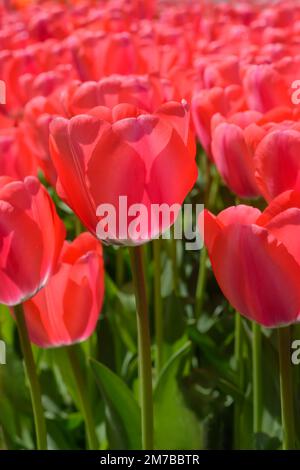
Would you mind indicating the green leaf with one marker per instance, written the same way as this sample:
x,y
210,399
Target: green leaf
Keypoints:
x,y
122,411
121,307
176,425
174,318
263,441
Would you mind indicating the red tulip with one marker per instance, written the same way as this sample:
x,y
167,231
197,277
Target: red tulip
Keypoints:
x,y
97,54
207,103
66,310
256,258
277,160
232,152
15,161
38,114
149,158
144,91
265,88
143,8
222,72
31,236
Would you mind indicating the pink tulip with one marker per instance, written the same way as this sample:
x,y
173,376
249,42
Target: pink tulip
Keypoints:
x,y
207,103
232,152
31,237
277,160
149,158
256,258
67,309
265,88
15,161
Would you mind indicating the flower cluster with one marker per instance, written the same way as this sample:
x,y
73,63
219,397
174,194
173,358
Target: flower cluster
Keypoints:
x,y
112,99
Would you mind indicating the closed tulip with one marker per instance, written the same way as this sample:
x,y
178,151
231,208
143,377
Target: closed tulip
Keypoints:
x,y
207,103
66,310
15,161
98,54
232,152
265,88
256,258
31,237
277,160
124,152
144,91
38,114
222,73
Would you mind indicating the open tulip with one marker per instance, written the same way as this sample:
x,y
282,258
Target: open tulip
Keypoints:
x,y
31,237
66,310
256,258
124,152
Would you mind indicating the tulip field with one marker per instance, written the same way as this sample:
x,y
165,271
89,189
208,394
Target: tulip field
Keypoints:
x,y
149,224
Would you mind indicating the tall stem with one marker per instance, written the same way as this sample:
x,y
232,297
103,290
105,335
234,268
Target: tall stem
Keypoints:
x,y
144,343
286,388
201,283
211,195
174,262
120,266
35,391
84,402
158,305
257,377
238,353
78,226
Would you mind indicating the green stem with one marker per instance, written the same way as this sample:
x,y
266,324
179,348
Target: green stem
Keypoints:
x,y
174,262
212,192
238,353
78,226
214,189
120,267
35,391
84,402
257,377
144,342
286,388
158,305
201,283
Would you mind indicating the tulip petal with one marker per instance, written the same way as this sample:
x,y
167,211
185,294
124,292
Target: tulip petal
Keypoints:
x,y
240,214
286,228
212,228
277,163
69,159
233,159
257,274
279,204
